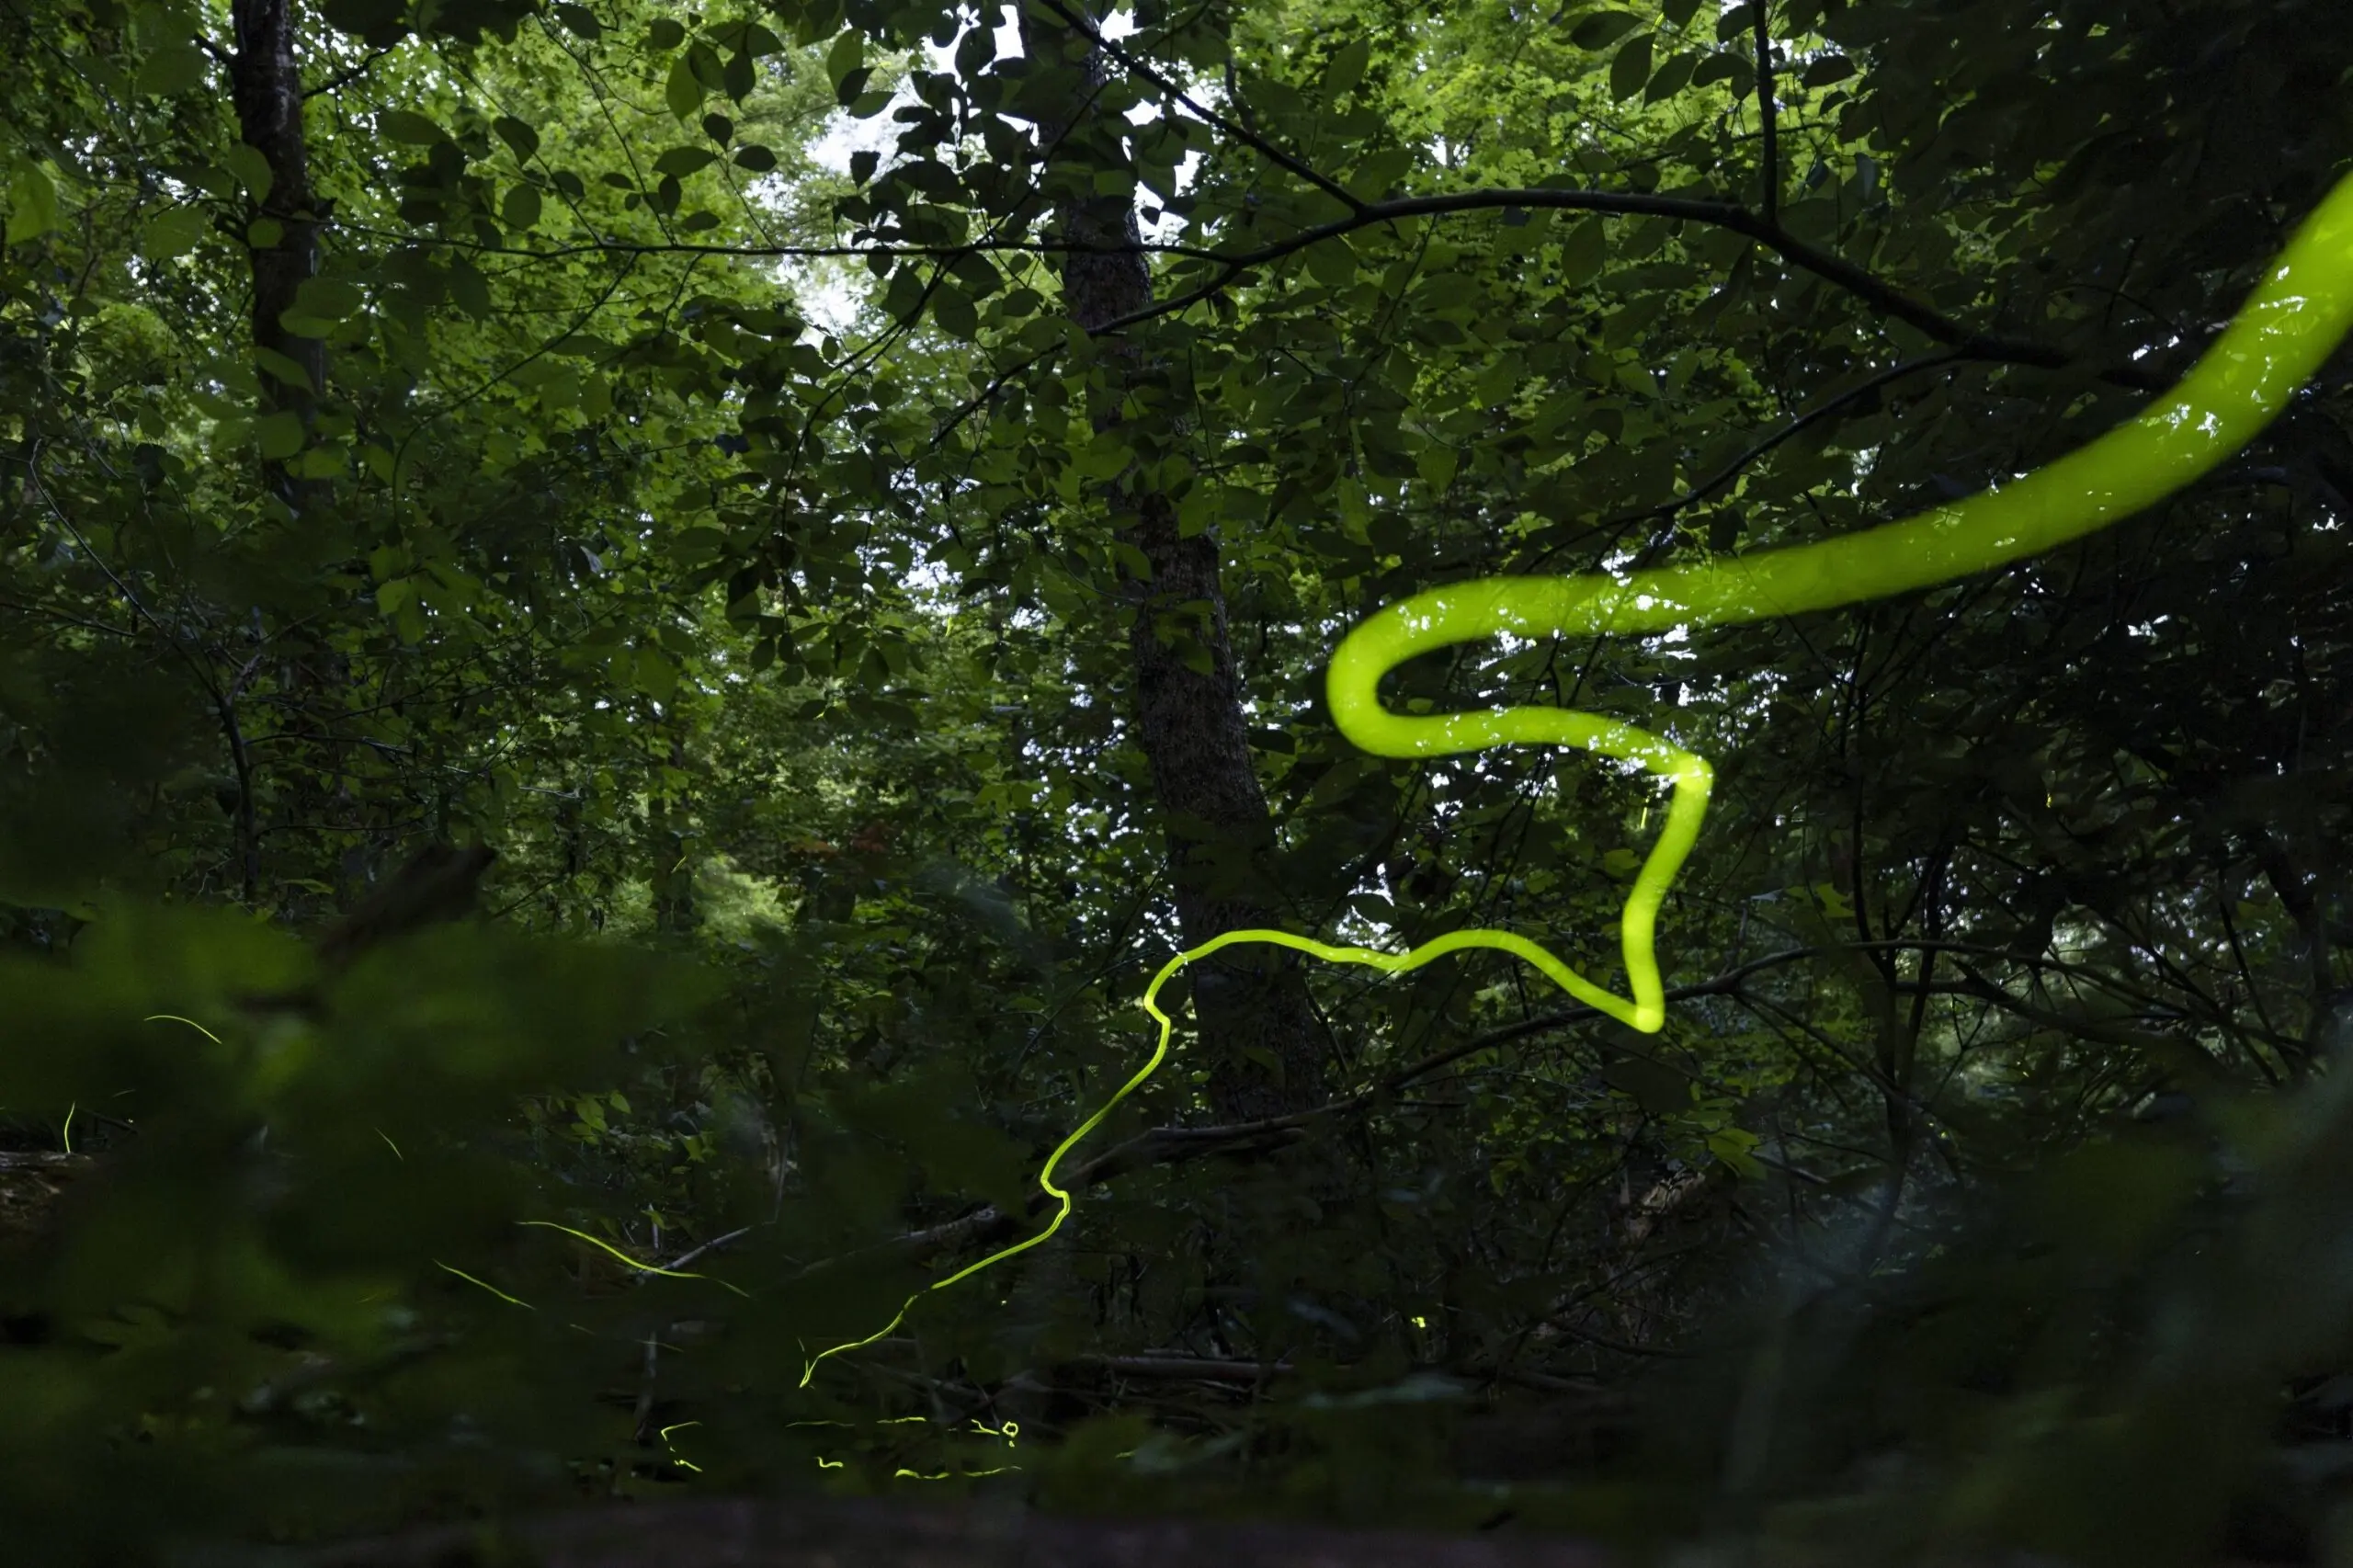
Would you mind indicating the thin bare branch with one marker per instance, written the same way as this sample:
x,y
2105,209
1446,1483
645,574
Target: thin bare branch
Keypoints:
x,y
1882,296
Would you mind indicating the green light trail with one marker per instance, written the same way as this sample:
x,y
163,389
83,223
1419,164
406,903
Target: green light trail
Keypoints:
x,y
2297,315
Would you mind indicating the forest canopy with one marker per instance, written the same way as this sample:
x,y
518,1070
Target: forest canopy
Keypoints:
x,y
628,633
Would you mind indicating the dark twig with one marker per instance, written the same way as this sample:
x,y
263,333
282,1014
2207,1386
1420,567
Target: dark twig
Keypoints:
x,y
349,74
715,1242
1829,408
1766,111
1205,1369
1876,292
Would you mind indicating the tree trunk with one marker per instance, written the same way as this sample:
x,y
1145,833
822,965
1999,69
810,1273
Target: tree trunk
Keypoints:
x,y
265,88
268,92
1258,1029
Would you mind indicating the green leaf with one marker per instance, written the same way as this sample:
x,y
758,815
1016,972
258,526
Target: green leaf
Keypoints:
x,y
409,126
32,203
321,463
329,299
847,53
469,288
862,165
1583,252
903,298
263,234
1678,12
379,21
1658,1088
853,86
213,180
560,390
1630,69
682,93
280,435
581,20
1266,1059
520,208
656,676
1671,78
1603,29
665,33
681,162
718,128
977,274
953,310
1723,65
737,79
1376,173
1332,263
1347,69
1735,1147
517,134
757,158
175,68
284,369
1829,68
172,232
250,168
1106,454
703,60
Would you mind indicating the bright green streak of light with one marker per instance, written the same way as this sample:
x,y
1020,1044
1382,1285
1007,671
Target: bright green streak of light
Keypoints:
x,y
680,1427
174,1018
2296,317
511,1301
642,1267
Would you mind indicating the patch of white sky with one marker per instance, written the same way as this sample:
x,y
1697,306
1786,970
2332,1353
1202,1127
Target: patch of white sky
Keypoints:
x,y
832,290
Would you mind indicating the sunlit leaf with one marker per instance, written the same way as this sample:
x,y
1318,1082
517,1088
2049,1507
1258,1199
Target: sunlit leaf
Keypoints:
x,y
32,203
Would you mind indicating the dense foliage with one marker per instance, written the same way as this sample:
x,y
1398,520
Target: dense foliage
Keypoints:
x,y
851,499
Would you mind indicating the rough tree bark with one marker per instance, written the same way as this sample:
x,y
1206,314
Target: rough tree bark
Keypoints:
x,y
1258,1028
265,89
